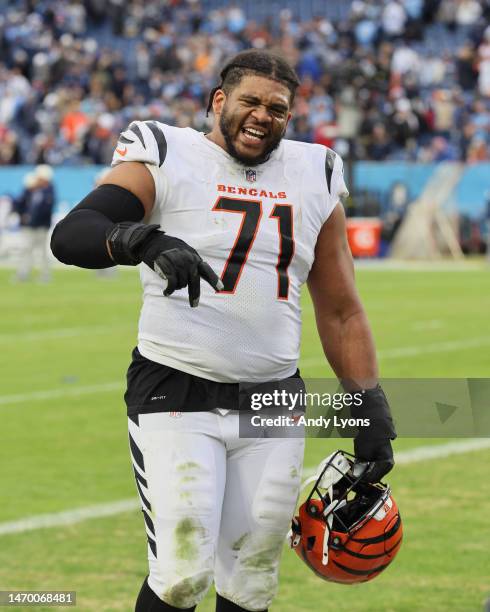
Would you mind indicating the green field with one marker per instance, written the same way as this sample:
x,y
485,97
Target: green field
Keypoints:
x,y
65,347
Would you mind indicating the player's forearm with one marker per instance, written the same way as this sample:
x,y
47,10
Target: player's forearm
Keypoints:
x,y
349,347
80,239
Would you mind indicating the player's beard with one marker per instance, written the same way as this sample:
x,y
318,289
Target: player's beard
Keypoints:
x,y
228,129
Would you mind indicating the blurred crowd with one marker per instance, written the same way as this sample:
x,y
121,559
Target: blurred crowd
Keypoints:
x,y
389,79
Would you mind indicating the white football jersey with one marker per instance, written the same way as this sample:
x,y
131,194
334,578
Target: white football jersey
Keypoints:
x,y
255,226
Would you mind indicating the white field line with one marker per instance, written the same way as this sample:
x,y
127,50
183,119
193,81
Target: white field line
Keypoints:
x,y
71,517
395,353
78,515
440,451
426,453
435,347
415,351
62,332
20,398
428,325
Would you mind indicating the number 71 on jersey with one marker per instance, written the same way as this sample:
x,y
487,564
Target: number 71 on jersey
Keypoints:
x,y
251,211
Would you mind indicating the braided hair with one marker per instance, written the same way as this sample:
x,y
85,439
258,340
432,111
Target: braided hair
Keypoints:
x,y
255,62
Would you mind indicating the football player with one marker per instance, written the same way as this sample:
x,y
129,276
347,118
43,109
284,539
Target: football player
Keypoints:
x,y
254,216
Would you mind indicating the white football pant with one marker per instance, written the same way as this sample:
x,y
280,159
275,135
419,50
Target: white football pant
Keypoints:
x,y
216,506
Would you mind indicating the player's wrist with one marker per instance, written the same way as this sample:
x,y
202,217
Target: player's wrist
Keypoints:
x,y
372,449
373,442
157,243
125,240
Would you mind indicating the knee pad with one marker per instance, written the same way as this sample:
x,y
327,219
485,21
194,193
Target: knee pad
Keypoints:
x,y
148,601
186,593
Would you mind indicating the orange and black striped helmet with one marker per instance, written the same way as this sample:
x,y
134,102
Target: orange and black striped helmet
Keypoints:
x,y
346,531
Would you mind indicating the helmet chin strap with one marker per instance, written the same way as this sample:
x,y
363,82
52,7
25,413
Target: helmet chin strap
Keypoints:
x,y
326,537
335,504
294,534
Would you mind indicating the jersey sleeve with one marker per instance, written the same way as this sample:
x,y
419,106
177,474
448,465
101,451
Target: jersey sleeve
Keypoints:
x,y
339,188
142,141
145,142
334,174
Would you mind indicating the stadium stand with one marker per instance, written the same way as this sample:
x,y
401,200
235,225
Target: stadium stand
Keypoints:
x,y
404,80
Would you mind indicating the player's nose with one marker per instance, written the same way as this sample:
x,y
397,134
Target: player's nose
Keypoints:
x,y
262,115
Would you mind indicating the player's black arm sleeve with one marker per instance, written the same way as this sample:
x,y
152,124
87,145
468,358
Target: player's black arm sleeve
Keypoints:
x,y
80,238
103,231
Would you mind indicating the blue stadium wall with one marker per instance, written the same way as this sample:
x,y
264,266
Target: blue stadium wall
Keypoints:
x,y
470,197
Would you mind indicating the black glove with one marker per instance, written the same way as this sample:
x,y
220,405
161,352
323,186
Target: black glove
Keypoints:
x,y
379,465
171,258
372,445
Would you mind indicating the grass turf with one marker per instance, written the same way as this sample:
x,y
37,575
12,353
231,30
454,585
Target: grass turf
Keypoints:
x,y
69,450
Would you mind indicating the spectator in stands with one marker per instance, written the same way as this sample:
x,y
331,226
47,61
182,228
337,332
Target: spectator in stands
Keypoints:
x,y
466,136
478,150
380,145
439,150
466,67
444,109
394,18
404,124
74,123
484,64
9,147
467,12
301,129
405,60
446,13
99,140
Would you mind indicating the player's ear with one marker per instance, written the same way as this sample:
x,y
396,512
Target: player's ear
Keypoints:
x,y
219,100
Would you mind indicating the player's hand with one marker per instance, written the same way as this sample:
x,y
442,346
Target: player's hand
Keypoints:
x,y
183,267
374,459
171,258
372,445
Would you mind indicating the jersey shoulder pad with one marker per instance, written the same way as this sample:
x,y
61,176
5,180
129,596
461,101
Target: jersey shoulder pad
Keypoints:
x,y
318,158
142,141
326,164
330,159
334,175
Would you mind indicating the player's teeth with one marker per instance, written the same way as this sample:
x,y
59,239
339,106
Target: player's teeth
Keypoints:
x,y
253,133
